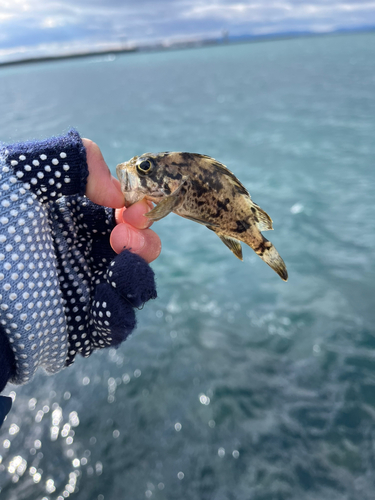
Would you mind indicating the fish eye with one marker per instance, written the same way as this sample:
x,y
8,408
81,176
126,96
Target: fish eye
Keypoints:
x,y
144,167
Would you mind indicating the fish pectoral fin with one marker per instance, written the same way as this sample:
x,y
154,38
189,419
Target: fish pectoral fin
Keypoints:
x,y
167,205
264,220
233,245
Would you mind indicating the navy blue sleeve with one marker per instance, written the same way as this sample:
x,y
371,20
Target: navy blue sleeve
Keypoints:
x,y
7,367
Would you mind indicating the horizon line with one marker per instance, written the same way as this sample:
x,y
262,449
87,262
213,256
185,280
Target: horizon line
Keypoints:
x,y
188,43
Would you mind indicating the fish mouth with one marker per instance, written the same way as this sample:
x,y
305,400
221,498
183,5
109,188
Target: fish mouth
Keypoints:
x,y
126,188
129,184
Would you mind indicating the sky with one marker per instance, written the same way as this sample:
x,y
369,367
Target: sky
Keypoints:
x,y
31,28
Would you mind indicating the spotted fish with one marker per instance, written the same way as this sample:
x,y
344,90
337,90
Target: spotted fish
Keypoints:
x,y
201,189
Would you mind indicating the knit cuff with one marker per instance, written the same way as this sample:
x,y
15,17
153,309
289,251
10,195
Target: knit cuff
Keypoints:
x,y
5,406
7,361
50,168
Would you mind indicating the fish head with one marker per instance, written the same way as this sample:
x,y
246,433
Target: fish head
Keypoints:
x,y
148,176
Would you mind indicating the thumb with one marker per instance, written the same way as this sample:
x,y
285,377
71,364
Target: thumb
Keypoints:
x,y
102,188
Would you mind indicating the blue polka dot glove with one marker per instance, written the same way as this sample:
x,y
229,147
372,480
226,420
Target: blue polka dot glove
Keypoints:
x,y
63,290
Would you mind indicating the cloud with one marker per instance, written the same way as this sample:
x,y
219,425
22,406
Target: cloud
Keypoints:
x,y
267,11
37,24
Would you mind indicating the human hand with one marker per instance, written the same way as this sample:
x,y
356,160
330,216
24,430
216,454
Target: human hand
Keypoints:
x,y
64,290
132,231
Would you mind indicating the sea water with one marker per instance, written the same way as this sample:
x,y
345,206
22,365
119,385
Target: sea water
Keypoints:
x,y
235,384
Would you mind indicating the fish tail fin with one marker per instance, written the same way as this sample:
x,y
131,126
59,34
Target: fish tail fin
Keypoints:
x,y
270,255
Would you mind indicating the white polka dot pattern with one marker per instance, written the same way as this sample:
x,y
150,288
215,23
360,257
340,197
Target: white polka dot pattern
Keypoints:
x,y
31,303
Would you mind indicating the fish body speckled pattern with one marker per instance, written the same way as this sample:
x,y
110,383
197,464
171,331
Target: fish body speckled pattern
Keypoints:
x,y
204,190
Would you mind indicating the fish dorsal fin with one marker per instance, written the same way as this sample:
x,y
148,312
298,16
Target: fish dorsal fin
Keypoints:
x,y
262,220
168,204
225,171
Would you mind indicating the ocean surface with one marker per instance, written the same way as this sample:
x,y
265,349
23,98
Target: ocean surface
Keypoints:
x,y
235,385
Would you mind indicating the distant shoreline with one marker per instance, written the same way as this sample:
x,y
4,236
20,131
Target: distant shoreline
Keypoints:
x,y
184,44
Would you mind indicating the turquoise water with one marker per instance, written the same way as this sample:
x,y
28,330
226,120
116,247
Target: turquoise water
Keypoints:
x,y
235,386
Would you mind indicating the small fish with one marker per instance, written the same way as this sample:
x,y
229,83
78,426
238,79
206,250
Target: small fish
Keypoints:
x,y
201,189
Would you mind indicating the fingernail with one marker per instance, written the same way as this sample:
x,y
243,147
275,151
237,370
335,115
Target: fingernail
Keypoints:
x,y
136,240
